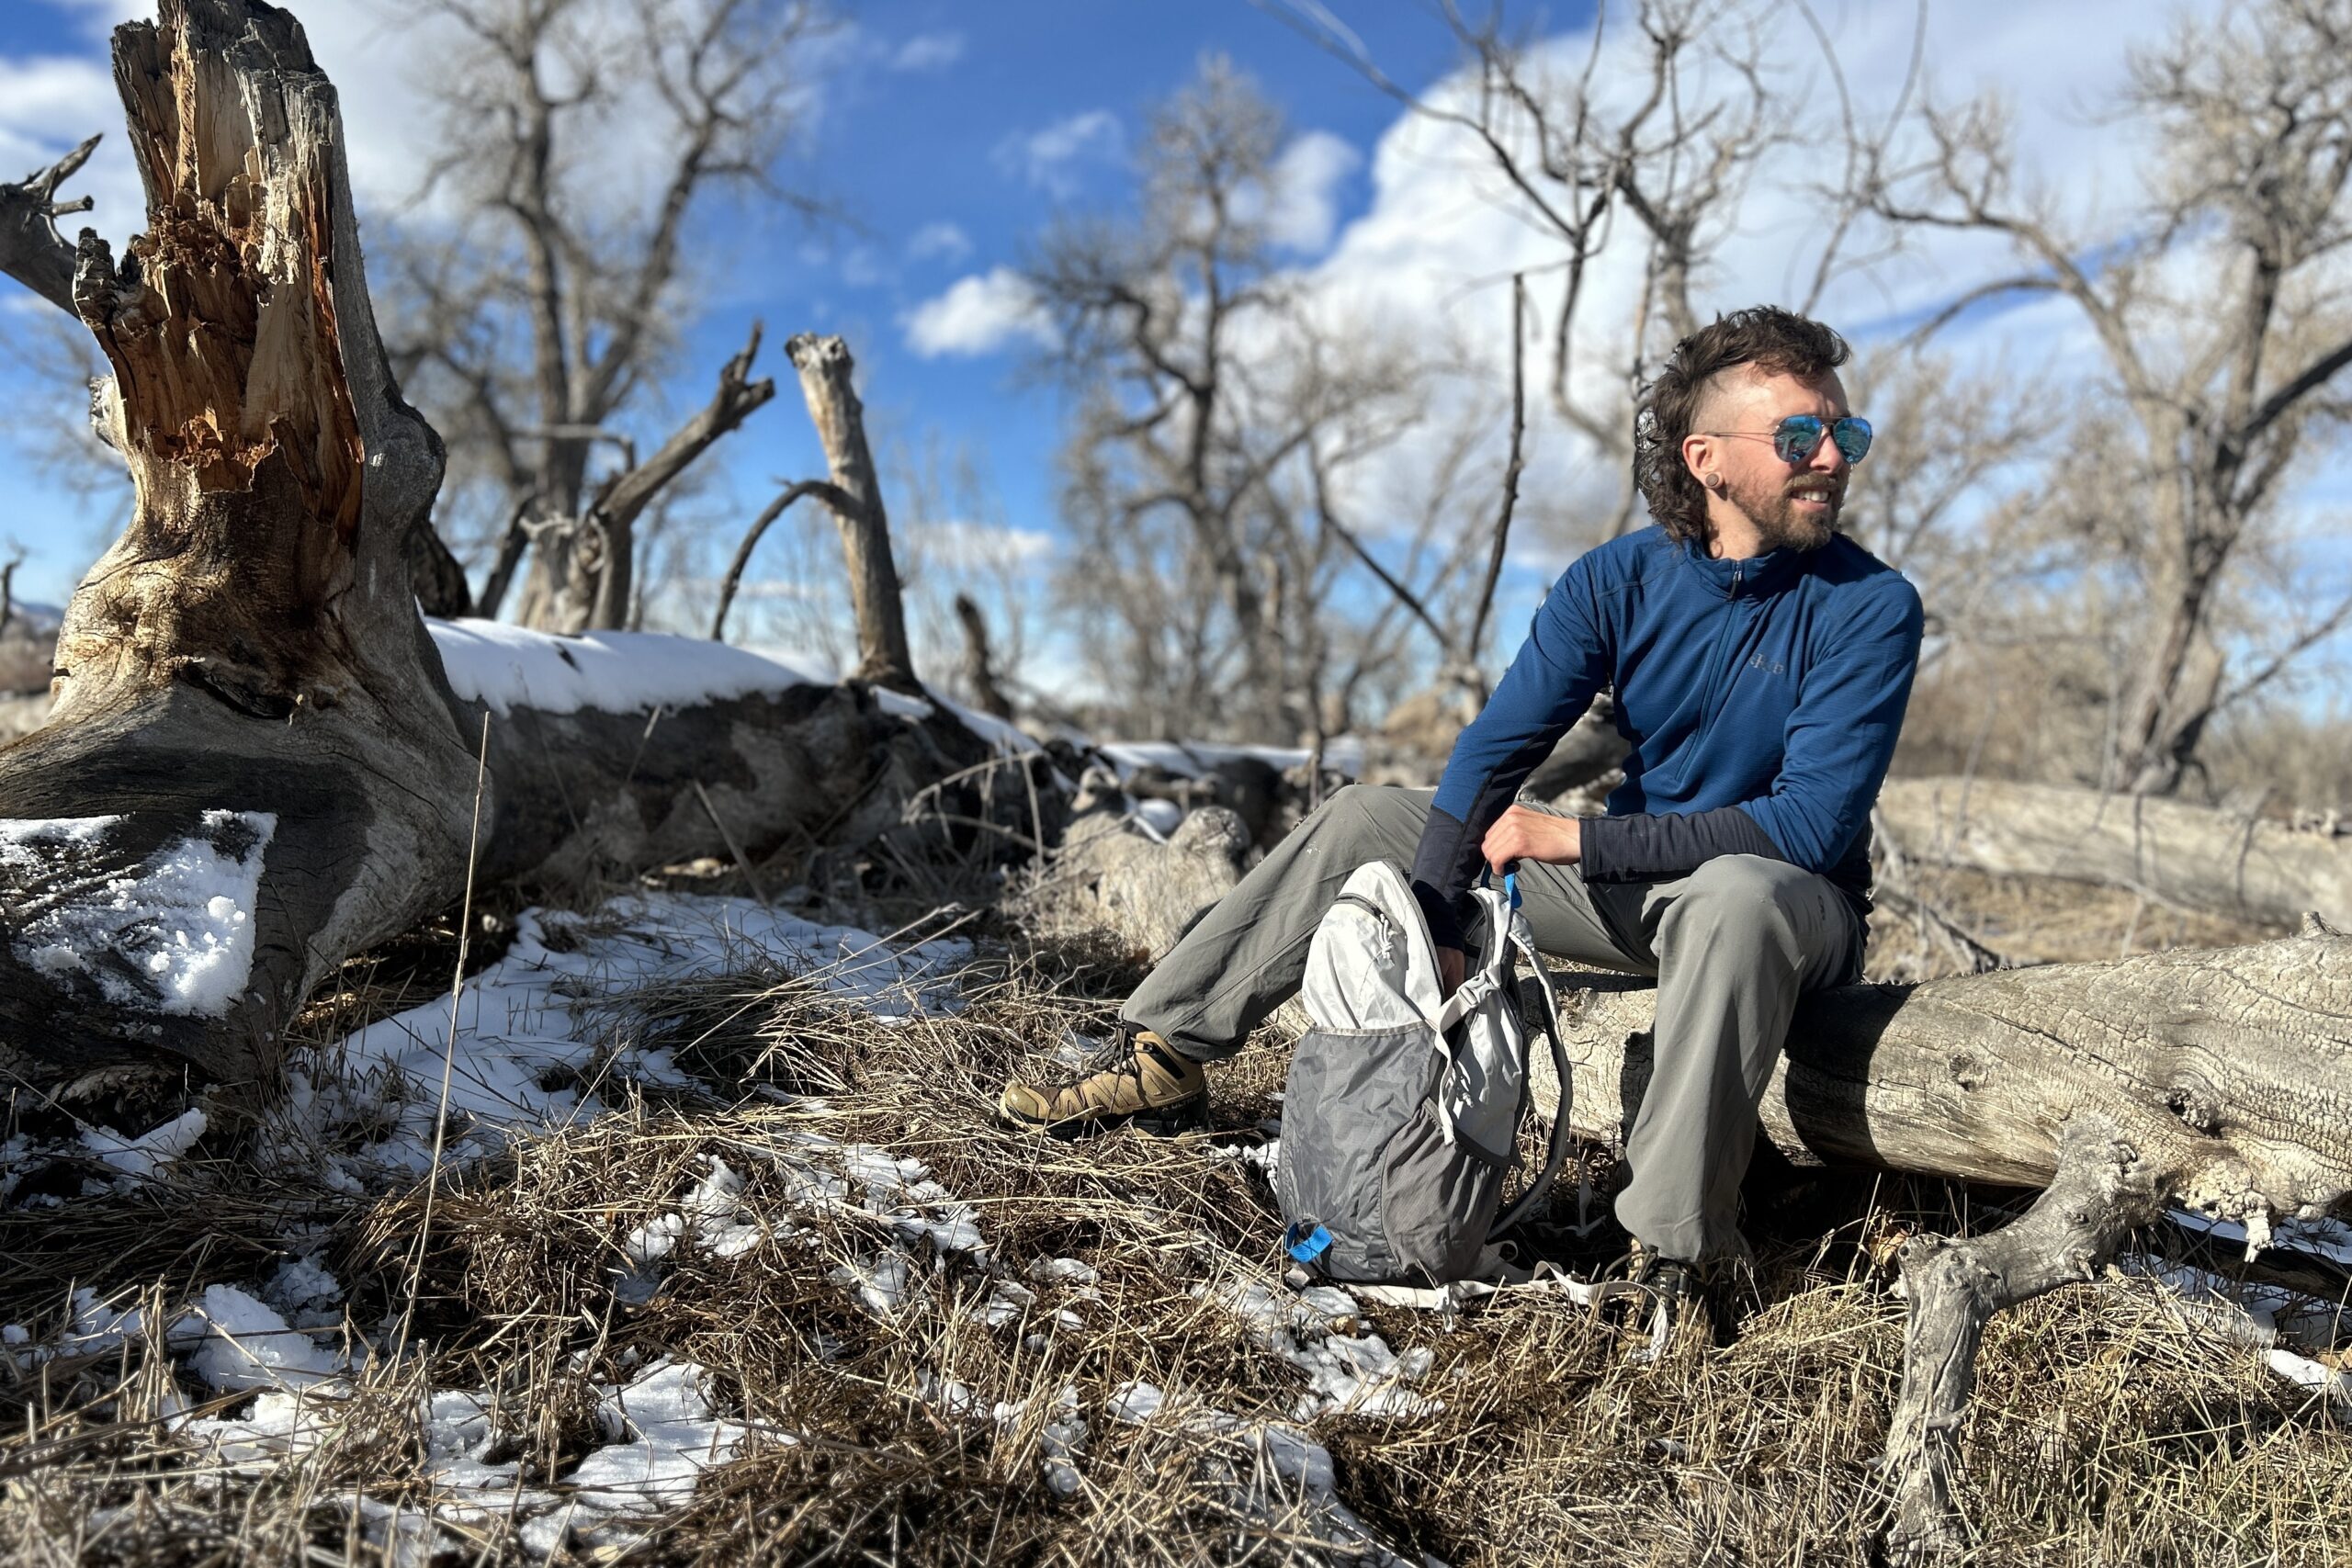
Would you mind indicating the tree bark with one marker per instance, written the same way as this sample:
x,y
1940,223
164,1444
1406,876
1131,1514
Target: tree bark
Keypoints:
x,y
2190,856
250,649
2230,1069
883,657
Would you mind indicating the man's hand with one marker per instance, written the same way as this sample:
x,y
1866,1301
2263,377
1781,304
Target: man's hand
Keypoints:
x,y
1451,967
1522,834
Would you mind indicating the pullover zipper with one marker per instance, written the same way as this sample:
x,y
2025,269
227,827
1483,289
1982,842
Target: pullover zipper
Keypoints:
x,y
1714,677
1715,661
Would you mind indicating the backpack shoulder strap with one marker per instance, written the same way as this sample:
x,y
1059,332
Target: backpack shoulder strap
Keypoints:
x,y
1557,1153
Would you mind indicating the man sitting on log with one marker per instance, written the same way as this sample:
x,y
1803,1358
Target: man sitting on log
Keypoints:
x,y
1762,662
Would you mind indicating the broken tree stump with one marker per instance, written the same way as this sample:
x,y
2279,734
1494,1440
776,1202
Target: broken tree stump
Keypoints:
x,y
257,764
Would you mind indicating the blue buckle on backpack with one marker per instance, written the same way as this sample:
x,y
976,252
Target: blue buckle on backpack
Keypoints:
x,y
1510,886
1308,1246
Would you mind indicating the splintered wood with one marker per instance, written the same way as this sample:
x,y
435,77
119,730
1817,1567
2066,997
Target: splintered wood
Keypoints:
x,y
221,324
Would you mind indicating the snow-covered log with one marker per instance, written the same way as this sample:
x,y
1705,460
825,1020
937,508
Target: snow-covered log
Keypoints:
x,y
257,764
2224,863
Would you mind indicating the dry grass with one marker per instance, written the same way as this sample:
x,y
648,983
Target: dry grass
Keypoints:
x,y
2033,920
2108,1429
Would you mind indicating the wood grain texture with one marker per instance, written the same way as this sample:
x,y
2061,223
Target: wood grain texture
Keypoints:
x,y
2229,1069
2101,1189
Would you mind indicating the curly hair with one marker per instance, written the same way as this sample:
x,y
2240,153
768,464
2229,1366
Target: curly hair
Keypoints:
x,y
1777,342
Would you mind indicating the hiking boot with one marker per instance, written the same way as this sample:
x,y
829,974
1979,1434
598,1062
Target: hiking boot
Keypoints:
x,y
1132,1078
1648,1296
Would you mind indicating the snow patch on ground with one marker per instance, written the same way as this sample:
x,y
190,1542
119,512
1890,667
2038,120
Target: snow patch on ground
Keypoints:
x,y
1279,1474
521,1060
244,1345
141,1158
180,927
518,1060
2278,1323
1347,1373
666,1436
660,1431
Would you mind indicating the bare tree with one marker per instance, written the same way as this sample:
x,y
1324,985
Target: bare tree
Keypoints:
x,y
1208,388
1675,159
2217,310
535,325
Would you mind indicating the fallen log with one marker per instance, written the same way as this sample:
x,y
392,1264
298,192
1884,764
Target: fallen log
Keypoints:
x,y
2230,1068
2193,857
1109,873
256,763
2219,1079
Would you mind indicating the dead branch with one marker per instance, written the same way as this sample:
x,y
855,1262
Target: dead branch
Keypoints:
x,y
980,665
831,494
825,365
735,399
31,250
1469,650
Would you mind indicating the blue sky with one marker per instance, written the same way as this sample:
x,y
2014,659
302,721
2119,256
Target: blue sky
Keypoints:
x,y
922,142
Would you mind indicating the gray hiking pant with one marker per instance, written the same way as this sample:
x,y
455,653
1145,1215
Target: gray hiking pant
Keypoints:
x,y
1734,945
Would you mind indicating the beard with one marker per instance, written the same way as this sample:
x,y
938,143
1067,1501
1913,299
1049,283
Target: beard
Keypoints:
x,y
1782,520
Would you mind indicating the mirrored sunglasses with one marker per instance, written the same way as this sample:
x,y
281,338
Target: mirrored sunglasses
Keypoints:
x,y
1798,437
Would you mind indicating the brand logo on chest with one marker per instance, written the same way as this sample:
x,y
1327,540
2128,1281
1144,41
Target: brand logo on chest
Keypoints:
x,y
1768,666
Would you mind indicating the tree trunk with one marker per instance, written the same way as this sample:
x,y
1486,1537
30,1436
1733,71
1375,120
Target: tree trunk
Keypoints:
x,y
824,366
2228,1068
245,670
257,764
2192,857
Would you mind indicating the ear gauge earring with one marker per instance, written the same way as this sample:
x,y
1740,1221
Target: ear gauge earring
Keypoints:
x,y
1712,482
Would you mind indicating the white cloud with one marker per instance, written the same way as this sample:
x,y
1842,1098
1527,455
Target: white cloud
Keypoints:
x,y
1434,253
1301,200
50,102
1050,158
957,545
945,240
929,51
980,314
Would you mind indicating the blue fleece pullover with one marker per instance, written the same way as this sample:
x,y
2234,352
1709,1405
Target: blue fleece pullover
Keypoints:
x,y
1761,699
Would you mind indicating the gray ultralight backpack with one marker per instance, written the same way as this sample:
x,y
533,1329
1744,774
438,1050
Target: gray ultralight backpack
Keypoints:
x,y
1400,1122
